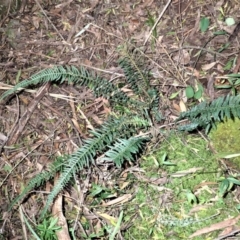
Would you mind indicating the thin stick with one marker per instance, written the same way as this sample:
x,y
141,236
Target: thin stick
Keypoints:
x,y
160,16
23,223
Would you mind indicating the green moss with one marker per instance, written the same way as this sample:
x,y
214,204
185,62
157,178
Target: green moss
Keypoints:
x,y
186,197
225,139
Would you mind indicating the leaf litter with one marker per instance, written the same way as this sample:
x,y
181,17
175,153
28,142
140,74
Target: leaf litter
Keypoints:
x,y
88,33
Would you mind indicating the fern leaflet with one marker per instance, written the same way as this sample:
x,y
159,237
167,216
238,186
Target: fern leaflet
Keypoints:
x,y
206,114
103,137
124,150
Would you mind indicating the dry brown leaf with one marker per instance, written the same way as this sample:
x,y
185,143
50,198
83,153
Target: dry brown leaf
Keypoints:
x,y
122,180
237,66
98,226
216,226
209,66
176,107
75,123
96,120
146,3
220,68
182,57
194,71
133,24
198,208
36,21
226,231
210,86
124,185
196,26
24,99
230,232
219,5
3,137
228,29
57,211
120,200
186,172
182,106
159,181
94,3
62,5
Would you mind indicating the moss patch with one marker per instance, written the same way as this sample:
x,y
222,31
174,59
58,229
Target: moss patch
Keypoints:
x,y
225,139
175,209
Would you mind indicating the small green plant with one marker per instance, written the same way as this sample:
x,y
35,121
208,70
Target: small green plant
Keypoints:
x,y
95,235
192,93
47,229
228,66
233,82
99,193
204,24
164,160
190,196
227,184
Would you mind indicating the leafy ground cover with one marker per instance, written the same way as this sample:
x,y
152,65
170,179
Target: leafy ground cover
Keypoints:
x,y
182,186
183,192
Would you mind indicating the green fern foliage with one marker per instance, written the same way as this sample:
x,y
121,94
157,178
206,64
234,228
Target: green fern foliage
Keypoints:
x,y
103,137
59,74
115,137
56,74
154,104
206,114
124,149
137,80
41,178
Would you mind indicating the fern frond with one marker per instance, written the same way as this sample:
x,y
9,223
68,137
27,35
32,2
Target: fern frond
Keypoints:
x,y
103,137
40,179
82,158
137,122
205,114
100,86
140,84
137,80
154,104
189,127
124,149
56,74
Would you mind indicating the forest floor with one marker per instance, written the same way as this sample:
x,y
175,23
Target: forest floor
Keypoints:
x,y
187,44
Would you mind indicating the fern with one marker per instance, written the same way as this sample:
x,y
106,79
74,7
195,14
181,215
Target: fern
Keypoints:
x,y
137,80
115,136
41,178
58,74
103,137
206,114
124,149
139,83
154,104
